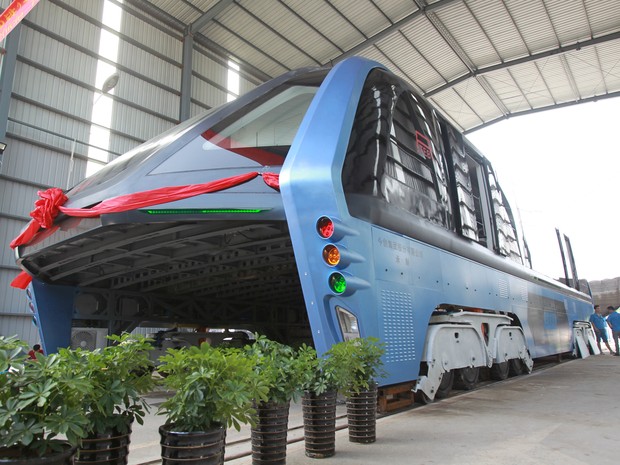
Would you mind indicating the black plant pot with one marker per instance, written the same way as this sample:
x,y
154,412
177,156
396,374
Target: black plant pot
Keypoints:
x,y
362,415
270,433
109,448
63,457
319,412
199,447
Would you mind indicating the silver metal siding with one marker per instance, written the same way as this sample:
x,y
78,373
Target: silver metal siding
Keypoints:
x,y
48,165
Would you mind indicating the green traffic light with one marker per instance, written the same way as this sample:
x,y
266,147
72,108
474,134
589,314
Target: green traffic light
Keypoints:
x,y
337,283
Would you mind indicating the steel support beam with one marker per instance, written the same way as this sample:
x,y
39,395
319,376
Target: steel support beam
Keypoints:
x,y
533,57
186,76
6,80
209,15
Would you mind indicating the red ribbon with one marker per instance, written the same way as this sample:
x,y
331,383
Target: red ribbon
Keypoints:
x,y
51,201
45,210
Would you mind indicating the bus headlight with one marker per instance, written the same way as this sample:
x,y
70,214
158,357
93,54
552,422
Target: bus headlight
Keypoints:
x,y
348,323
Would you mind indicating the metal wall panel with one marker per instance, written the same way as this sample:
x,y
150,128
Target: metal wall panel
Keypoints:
x,y
34,164
165,42
92,8
245,85
121,144
141,125
207,94
206,66
143,63
21,326
48,52
53,94
14,299
67,24
147,95
9,228
17,200
260,59
195,110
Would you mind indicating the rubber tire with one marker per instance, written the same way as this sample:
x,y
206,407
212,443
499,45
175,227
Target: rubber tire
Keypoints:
x,y
516,367
447,382
499,371
423,398
466,378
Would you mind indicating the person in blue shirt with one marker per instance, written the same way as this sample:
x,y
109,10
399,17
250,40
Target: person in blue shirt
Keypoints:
x,y
600,328
613,320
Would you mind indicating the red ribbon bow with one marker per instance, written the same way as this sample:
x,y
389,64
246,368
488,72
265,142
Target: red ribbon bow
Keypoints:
x,y
45,210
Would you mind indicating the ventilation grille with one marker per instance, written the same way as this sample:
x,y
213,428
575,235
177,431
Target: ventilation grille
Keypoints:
x,y
398,326
503,288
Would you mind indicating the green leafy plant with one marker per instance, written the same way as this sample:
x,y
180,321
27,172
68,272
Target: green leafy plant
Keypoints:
x,y
40,400
321,373
120,374
213,386
357,363
280,368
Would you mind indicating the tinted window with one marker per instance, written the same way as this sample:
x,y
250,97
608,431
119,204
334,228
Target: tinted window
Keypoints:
x,y
394,161
266,131
507,241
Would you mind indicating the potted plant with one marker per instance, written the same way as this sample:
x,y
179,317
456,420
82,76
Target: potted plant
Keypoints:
x,y
213,388
40,400
360,358
120,374
283,373
323,379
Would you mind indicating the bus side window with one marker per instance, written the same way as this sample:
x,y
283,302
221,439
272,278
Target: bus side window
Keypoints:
x,y
467,190
507,241
415,179
394,164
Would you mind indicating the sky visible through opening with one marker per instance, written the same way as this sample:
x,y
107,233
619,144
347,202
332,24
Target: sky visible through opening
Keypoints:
x,y
560,169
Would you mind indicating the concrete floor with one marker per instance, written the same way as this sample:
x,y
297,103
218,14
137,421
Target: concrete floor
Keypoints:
x,y
566,414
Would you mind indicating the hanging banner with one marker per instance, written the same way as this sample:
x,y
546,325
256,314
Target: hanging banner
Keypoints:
x,y
14,14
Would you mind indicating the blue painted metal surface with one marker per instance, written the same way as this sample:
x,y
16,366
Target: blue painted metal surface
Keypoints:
x,y
53,313
402,280
395,282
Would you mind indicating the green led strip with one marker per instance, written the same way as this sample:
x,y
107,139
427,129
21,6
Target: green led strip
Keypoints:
x,y
202,211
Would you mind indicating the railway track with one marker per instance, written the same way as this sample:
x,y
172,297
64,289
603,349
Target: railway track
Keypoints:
x,y
240,447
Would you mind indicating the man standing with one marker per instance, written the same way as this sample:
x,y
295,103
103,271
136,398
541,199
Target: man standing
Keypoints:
x,y
613,320
600,328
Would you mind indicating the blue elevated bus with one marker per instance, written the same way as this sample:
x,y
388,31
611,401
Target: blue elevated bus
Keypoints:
x,y
345,206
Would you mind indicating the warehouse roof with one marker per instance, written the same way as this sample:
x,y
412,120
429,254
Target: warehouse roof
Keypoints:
x,y
478,61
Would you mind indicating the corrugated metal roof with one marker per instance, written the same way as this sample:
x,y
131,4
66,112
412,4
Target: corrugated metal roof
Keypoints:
x,y
494,58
